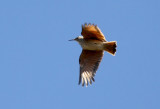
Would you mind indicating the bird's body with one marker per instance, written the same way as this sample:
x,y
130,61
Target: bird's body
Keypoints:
x,y
93,44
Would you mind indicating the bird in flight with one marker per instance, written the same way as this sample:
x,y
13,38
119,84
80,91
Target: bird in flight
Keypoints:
x,y
94,44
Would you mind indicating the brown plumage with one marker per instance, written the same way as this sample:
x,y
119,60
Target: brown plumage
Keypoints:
x,y
89,62
94,44
92,32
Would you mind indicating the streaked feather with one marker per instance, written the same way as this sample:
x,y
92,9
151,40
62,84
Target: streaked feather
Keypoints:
x,y
89,62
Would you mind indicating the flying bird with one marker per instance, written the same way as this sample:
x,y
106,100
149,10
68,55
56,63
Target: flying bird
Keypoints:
x,y
94,44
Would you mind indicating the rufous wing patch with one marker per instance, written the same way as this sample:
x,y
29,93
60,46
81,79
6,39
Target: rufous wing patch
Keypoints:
x,y
92,32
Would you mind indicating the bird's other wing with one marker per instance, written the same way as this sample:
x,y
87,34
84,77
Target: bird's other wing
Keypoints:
x,y
89,62
92,32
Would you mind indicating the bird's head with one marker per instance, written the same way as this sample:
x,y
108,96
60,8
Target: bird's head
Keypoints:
x,y
79,38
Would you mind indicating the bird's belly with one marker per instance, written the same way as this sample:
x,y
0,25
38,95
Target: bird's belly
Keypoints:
x,y
92,45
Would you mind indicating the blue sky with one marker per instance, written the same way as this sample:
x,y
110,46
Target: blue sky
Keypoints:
x,y
39,67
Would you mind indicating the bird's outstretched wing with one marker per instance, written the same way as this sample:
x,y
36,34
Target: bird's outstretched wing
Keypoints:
x,y
89,62
92,32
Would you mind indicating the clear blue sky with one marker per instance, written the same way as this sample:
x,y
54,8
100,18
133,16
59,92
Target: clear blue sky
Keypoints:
x,y
39,67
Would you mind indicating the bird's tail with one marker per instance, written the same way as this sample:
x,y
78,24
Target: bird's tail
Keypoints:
x,y
110,47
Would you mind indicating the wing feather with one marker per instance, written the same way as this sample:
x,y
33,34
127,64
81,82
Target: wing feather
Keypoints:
x,y
89,62
92,32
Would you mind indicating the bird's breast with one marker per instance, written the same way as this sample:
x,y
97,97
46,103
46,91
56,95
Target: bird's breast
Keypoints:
x,y
91,45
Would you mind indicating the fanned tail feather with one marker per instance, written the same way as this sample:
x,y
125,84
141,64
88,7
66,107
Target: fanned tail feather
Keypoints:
x,y
110,47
